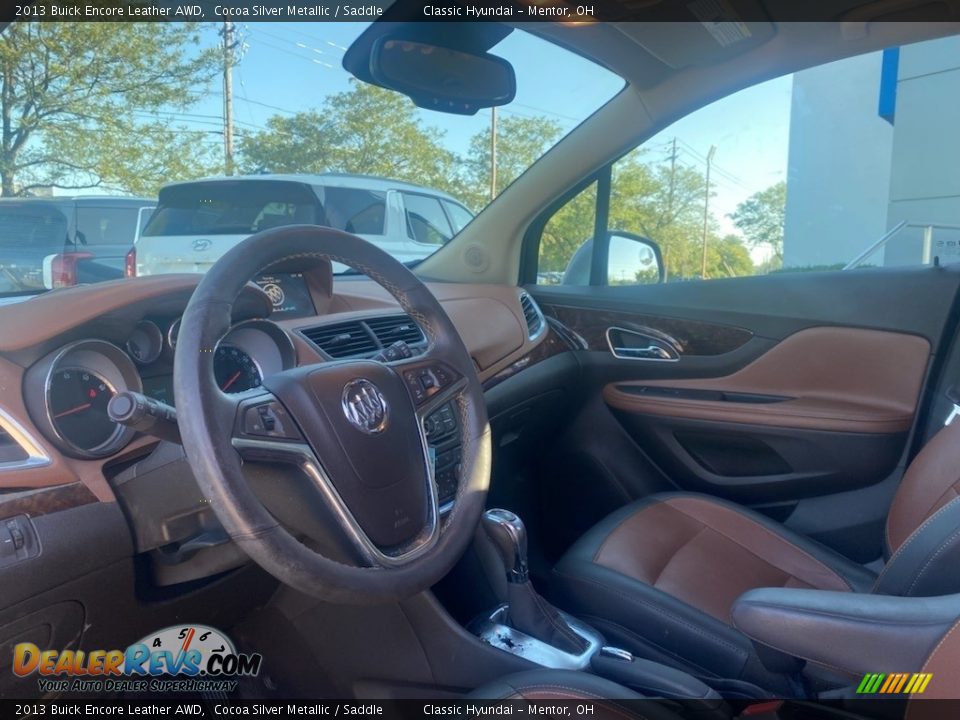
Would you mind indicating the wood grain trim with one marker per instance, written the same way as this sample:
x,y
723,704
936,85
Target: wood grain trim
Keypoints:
x,y
688,337
839,379
45,501
553,343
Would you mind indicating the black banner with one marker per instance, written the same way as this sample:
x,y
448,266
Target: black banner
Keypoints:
x,y
511,11
172,706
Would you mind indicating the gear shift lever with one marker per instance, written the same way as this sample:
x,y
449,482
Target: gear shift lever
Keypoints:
x,y
509,535
528,611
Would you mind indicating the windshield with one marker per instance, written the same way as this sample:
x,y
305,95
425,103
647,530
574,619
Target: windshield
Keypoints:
x,y
221,130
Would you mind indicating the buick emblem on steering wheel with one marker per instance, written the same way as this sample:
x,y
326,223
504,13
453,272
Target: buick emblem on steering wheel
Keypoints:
x,y
364,406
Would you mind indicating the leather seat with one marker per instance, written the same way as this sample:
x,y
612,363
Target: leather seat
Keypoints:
x,y
660,576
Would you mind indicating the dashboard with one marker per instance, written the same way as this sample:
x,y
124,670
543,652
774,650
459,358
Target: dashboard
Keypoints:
x,y
66,353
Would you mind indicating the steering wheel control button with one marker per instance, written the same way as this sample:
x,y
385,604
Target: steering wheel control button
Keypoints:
x,y
269,420
365,406
424,382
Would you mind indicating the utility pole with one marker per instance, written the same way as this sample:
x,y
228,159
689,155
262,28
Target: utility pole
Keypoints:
x,y
706,213
228,96
673,177
493,152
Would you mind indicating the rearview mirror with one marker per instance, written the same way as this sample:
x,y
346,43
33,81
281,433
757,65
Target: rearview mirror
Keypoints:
x,y
440,78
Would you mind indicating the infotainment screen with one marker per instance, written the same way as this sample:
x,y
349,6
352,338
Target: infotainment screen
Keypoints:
x,y
289,294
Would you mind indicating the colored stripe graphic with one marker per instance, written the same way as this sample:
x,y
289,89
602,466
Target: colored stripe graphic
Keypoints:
x,y
894,683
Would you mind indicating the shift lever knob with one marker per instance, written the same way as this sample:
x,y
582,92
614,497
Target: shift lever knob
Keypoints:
x,y
509,535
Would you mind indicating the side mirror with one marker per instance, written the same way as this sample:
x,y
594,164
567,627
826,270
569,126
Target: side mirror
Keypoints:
x,y
633,260
440,78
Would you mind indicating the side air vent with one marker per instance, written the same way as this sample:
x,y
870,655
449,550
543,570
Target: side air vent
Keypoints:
x,y
10,450
343,340
365,338
389,330
533,316
18,451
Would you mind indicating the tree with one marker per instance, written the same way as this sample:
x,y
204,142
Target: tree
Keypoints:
x,y
760,218
73,97
659,201
520,142
366,130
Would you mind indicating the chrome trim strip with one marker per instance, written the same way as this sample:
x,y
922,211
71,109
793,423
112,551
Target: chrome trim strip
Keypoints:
x,y
495,630
614,350
36,457
536,307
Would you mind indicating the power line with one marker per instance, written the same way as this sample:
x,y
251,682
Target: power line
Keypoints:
x,y
328,43
297,55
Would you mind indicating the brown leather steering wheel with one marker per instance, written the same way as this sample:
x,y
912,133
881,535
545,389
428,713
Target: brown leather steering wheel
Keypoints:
x,y
354,427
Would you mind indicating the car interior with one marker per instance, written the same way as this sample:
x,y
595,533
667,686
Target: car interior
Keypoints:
x,y
454,481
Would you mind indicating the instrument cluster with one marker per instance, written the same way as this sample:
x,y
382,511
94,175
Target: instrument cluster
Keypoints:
x,y
67,391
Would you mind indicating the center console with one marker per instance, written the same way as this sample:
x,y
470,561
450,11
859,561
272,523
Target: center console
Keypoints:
x,y
528,626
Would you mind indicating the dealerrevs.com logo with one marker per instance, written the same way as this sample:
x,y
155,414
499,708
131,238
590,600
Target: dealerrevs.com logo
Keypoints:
x,y
181,658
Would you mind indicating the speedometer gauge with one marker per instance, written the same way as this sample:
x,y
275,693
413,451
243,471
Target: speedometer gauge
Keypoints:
x,y
234,370
77,401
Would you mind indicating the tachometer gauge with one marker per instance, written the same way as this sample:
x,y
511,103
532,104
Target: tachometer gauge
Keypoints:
x,y
234,370
77,403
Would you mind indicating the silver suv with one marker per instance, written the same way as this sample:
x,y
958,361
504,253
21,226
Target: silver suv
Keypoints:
x,y
197,222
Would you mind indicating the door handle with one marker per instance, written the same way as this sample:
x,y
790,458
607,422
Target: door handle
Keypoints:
x,y
651,352
647,347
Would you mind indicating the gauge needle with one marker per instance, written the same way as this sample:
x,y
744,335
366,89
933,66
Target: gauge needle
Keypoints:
x,y
71,411
232,380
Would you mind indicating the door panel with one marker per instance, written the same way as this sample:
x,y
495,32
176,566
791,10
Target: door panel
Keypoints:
x,y
788,388
826,378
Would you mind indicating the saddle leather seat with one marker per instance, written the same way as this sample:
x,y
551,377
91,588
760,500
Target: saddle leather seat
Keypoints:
x,y
661,575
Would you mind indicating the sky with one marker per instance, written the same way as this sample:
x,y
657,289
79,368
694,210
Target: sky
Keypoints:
x,y
294,66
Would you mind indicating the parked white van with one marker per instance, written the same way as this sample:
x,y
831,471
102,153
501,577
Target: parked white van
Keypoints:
x,y
198,221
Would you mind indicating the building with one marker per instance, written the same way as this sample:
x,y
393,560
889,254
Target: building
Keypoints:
x,y
873,143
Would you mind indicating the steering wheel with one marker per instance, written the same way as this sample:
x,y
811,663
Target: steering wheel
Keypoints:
x,y
354,428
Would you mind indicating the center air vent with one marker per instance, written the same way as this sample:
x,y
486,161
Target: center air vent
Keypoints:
x,y
348,339
364,338
389,330
533,316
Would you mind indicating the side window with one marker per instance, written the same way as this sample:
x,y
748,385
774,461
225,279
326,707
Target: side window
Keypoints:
x,y
356,211
565,243
459,215
426,221
144,215
106,226
849,164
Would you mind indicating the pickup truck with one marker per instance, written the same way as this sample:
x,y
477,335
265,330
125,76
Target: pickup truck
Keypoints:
x,y
54,242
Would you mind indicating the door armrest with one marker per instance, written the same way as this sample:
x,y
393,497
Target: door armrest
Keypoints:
x,y
853,633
